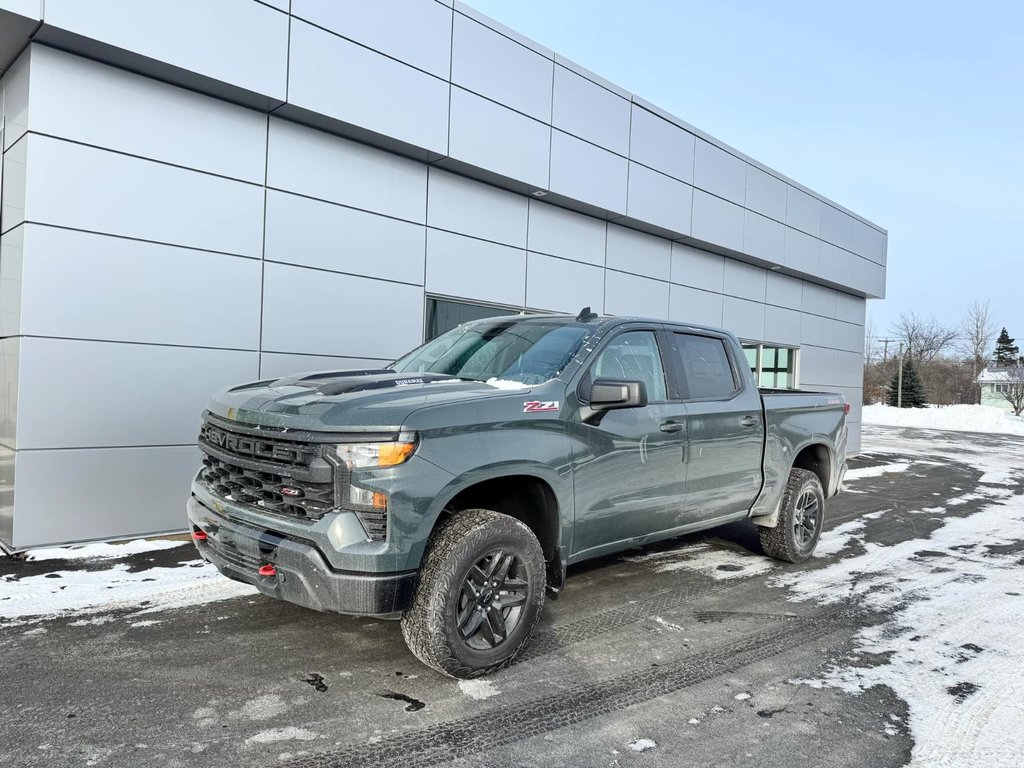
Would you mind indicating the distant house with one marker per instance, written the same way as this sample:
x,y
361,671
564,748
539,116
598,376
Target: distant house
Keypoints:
x,y
993,382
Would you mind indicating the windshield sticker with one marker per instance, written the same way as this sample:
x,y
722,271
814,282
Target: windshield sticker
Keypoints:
x,y
538,406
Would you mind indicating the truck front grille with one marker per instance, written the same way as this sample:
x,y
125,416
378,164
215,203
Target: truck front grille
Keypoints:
x,y
267,450
261,469
267,491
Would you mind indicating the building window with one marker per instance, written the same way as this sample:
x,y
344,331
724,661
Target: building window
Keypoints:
x,y
444,314
773,367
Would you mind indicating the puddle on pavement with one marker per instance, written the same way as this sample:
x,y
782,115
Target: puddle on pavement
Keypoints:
x,y
317,681
411,704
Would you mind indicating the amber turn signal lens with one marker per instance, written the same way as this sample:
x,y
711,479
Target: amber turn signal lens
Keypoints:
x,y
391,454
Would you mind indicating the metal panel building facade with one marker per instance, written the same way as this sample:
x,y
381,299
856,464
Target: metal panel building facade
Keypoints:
x,y
197,194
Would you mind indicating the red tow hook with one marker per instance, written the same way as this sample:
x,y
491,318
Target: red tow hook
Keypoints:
x,y
267,570
199,536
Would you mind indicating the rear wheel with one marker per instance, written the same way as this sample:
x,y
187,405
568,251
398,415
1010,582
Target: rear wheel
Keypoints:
x,y
479,594
800,519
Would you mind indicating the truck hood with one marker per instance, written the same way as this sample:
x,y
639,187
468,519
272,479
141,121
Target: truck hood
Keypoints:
x,y
356,400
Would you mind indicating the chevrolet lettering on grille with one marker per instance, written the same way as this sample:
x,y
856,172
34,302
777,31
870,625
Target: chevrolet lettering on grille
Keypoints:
x,y
252,447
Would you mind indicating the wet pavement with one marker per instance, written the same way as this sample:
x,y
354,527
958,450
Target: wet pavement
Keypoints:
x,y
688,652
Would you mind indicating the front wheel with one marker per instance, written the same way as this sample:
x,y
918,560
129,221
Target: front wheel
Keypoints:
x,y
479,594
800,519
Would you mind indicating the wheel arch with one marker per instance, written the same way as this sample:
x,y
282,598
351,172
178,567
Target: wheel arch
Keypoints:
x,y
524,496
816,457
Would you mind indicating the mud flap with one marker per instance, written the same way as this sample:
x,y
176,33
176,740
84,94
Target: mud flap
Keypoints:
x,y
769,521
556,568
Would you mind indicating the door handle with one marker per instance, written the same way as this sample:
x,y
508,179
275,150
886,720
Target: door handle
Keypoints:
x,y
672,426
749,421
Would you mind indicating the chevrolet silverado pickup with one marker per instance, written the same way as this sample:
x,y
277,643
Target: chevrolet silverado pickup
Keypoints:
x,y
452,488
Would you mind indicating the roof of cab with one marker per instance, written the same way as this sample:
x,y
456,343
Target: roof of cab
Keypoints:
x,y
603,320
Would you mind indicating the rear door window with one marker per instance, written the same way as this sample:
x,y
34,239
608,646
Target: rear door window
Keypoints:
x,y
707,372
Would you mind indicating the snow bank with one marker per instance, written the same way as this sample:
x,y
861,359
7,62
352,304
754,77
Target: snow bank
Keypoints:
x,y
957,418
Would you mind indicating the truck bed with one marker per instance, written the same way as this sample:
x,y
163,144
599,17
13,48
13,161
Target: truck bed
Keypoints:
x,y
792,418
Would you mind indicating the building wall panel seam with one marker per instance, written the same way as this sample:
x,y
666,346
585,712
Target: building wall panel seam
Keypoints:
x,y
366,47
134,239
145,158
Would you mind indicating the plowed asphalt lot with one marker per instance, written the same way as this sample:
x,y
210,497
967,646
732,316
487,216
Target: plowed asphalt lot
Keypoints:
x,y
692,652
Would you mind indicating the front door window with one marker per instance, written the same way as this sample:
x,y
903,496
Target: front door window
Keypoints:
x,y
634,356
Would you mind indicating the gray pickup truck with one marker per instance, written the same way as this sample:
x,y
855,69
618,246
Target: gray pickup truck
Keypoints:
x,y
453,488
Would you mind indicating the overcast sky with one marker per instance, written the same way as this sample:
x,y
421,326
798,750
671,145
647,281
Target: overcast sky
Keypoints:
x,y
909,113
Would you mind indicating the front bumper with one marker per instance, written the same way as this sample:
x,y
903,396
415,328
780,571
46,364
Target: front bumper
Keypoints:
x,y
302,575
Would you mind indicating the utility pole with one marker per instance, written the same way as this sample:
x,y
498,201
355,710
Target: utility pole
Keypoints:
x,y
885,352
899,390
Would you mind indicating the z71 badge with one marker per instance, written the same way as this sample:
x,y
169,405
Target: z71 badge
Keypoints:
x,y
537,406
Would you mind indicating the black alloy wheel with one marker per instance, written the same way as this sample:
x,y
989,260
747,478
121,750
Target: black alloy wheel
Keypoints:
x,y
493,595
806,519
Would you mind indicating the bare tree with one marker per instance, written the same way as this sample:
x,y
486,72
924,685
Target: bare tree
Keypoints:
x,y
876,376
950,381
1012,388
870,341
976,333
924,338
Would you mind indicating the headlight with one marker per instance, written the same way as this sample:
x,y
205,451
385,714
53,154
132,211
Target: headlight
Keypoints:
x,y
359,455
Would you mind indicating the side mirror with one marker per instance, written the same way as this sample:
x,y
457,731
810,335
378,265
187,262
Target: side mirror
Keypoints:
x,y
611,394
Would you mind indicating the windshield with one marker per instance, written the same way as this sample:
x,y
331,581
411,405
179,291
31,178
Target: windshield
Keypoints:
x,y
521,350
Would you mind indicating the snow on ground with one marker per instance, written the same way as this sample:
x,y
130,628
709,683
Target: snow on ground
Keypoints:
x,y
478,689
281,734
957,418
835,540
642,745
951,647
884,469
102,550
114,588
702,557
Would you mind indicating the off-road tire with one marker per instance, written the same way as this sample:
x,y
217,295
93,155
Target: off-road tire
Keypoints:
x,y
781,542
430,625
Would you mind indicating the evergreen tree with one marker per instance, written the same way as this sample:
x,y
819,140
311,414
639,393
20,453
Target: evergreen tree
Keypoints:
x,y
913,389
1007,353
